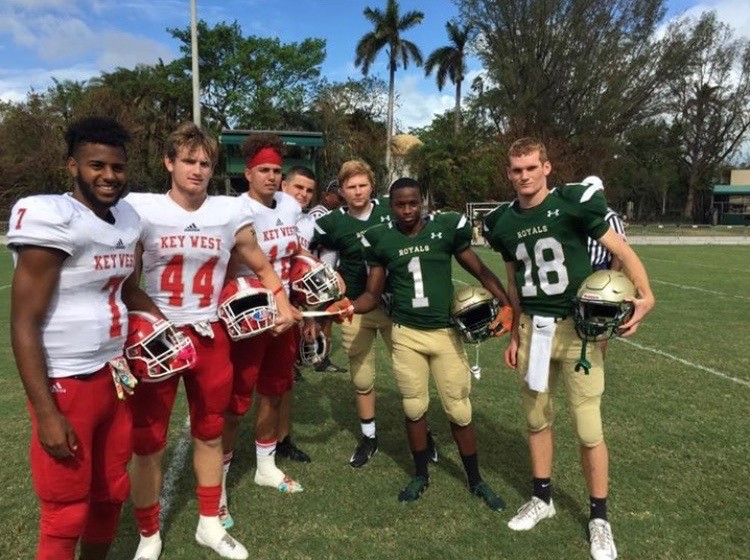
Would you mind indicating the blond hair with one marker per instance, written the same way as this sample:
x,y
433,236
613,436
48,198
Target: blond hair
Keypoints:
x,y
526,146
355,167
191,138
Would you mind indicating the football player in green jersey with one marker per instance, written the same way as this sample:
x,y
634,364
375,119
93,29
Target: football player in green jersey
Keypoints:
x,y
416,253
340,231
542,236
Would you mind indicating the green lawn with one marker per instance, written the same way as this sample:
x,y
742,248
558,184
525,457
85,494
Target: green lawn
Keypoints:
x,y
677,436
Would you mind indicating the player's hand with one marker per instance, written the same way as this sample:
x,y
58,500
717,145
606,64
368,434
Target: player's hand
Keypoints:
x,y
511,352
341,310
286,317
642,306
503,322
56,435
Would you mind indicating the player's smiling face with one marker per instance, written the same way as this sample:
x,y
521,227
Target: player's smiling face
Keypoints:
x,y
191,171
529,177
406,205
99,172
301,188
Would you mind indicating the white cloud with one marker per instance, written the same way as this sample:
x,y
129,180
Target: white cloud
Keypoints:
x,y
14,85
417,107
734,13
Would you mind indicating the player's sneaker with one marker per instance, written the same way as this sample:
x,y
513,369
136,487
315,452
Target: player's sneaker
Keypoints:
x,y
149,548
413,490
602,541
281,482
531,513
493,501
432,451
326,366
286,448
366,448
225,546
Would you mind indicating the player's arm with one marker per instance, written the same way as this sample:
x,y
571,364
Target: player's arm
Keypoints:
x,y
34,282
511,352
370,299
133,296
246,249
634,269
615,222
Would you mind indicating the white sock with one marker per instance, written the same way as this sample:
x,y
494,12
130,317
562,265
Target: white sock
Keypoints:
x,y
368,428
210,528
149,547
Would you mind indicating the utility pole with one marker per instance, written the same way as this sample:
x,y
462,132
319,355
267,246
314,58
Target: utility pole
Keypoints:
x,y
194,50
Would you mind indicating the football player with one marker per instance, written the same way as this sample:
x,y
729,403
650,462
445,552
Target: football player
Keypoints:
x,y
340,231
265,362
416,253
542,238
187,240
74,262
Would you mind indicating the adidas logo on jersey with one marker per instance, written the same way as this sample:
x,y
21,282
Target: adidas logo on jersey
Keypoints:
x,y
57,387
279,222
120,244
192,227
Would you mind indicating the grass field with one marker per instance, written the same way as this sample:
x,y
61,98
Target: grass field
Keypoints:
x,y
676,415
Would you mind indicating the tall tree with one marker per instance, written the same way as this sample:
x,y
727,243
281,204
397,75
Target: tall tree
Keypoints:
x,y
577,71
709,101
450,62
388,27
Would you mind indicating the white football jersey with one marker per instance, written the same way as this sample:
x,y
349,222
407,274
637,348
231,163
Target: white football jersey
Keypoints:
x,y
276,229
185,253
87,320
305,230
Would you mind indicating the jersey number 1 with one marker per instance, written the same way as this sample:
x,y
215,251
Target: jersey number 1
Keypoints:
x,y
415,267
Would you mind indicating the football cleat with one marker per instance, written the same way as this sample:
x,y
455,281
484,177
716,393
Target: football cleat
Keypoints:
x,y
531,513
246,308
313,283
493,501
366,448
154,349
602,541
286,448
472,311
413,490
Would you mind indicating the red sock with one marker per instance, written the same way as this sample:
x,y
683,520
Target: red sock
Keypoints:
x,y
56,548
208,500
148,519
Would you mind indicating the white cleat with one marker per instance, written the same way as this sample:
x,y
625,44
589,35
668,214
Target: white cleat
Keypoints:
x,y
277,479
602,541
225,545
149,548
531,513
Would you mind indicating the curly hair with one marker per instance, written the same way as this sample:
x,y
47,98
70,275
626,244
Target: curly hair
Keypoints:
x,y
95,130
256,142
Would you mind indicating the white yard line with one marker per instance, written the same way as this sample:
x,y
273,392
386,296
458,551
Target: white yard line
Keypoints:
x,y
174,471
697,289
694,263
4,287
687,362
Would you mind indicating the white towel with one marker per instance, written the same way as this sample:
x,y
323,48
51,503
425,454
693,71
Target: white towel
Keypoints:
x,y
540,352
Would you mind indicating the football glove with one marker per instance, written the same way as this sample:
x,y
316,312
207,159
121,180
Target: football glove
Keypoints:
x,y
341,310
503,321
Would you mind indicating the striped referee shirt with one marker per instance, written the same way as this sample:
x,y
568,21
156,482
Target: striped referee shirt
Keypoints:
x,y
600,257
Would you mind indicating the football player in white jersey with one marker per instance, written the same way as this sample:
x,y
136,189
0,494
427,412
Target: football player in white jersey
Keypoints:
x,y
74,258
188,237
265,363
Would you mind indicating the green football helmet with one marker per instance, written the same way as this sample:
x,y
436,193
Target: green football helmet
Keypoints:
x,y
600,305
472,311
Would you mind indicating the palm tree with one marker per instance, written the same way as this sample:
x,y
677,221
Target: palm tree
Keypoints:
x,y
387,30
450,63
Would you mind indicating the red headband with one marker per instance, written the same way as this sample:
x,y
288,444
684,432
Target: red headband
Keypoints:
x,y
264,155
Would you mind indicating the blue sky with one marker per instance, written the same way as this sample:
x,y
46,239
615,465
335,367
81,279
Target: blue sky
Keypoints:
x,y
77,39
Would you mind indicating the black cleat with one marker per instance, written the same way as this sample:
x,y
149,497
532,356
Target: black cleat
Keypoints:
x,y
493,501
326,366
367,448
286,448
413,490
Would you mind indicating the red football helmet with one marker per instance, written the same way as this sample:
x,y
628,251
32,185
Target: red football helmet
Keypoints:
x,y
246,307
312,353
313,283
155,350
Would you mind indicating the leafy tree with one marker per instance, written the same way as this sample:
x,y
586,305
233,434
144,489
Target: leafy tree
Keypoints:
x,y
251,82
388,27
709,100
449,62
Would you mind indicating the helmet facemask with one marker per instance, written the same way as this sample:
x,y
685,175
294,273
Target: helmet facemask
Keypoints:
x,y
248,312
160,353
318,286
313,352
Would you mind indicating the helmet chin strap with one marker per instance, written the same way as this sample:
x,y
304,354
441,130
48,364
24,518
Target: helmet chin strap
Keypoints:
x,y
476,371
582,361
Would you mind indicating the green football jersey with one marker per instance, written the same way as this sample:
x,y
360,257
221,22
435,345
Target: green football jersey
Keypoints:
x,y
340,231
419,267
548,244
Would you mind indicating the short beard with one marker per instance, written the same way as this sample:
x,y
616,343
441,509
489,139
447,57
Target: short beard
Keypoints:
x,y
87,191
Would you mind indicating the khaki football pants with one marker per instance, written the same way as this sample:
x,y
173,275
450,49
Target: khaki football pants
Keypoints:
x,y
357,338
